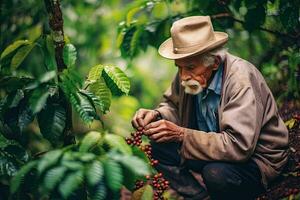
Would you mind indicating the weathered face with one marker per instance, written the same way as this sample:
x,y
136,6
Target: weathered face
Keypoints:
x,y
193,74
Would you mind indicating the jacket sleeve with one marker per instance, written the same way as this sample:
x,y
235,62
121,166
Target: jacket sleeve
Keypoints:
x,y
168,108
240,124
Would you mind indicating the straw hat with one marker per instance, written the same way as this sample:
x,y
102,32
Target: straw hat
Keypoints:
x,y
191,36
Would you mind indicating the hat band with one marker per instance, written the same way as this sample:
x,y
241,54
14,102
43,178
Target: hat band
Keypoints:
x,y
189,49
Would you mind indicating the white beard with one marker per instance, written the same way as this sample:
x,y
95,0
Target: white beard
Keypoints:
x,y
192,87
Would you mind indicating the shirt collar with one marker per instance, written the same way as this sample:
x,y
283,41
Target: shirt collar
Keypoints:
x,y
216,83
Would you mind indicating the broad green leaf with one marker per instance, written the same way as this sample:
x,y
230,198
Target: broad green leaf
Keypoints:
x,y
14,46
89,141
25,117
4,142
70,184
19,178
94,100
139,153
17,153
13,99
49,159
83,107
21,55
12,83
117,142
42,79
52,121
38,99
94,73
72,164
69,55
98,192
144,193
133,163
94,173
116,80
7,166
100,89
50,54
47,76
53,177
87,157
113,175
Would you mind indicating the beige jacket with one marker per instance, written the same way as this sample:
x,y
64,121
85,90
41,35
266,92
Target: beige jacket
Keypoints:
x,y
250,125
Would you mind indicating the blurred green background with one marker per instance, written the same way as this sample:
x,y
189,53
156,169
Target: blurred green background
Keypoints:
x,y
127,34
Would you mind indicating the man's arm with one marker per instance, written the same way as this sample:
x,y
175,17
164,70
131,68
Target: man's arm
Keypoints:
x,y
241,125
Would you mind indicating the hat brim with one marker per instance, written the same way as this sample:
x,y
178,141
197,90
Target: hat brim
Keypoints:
x,y
166,48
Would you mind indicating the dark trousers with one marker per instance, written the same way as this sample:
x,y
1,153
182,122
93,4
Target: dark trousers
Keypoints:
x,y
223,180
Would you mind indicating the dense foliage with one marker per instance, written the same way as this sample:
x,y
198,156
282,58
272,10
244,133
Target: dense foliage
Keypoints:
x,y
38,99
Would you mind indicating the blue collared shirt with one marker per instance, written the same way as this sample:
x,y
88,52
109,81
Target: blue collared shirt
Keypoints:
x,y
207,104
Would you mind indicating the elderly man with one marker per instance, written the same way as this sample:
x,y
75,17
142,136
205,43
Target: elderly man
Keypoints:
x,y
218,118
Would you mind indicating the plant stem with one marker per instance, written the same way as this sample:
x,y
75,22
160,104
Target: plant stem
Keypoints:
x,y
56,25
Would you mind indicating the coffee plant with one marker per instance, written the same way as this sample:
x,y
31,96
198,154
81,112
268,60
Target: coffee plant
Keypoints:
x,y
97,166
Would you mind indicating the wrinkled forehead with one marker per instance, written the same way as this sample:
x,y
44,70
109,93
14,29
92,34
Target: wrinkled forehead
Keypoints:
x,y
187,61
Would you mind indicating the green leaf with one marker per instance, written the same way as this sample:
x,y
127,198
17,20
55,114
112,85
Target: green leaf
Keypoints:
x,y
17,153
83,107
135,164
14,98
70,184
19,178
139,153
69,55
94,100
47,76
113,175
12,83
117,142
116,80
98,192
101,90
144,193
49,54
52,121
7,166
95,73
25,117
21,55
5,142
94,173
38,99
53,177
49,159
89,141
13,47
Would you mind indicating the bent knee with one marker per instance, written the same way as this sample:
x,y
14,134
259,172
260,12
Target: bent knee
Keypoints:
x,y
219,176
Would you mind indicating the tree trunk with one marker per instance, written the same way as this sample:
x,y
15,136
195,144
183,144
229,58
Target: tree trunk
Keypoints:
x,y
57,32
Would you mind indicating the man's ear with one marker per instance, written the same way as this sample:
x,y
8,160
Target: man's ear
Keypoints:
x,y
215,66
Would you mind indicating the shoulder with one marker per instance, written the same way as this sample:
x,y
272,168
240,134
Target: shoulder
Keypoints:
x,y
241,73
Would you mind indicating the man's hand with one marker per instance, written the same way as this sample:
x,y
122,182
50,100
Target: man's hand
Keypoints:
x,y
143,117
164,131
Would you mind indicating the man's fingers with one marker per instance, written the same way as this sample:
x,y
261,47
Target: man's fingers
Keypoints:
x,y
149,117
134,122
152,131
140,118
155,124
158,135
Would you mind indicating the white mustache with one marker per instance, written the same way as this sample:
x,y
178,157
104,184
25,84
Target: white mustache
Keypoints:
x,y
192,87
